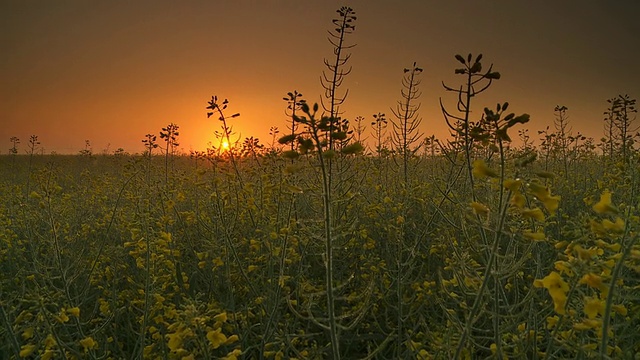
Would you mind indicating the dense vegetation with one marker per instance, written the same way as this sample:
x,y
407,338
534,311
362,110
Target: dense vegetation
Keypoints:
x,y
317,247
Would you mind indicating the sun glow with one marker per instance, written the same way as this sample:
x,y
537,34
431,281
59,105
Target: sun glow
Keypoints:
x,y
225,145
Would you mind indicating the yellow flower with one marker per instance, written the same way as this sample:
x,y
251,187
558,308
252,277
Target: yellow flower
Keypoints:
x,y
27,350
49,342
231,339
479,209
593,280
538,190
175,341
551,203
587,254
581,326
616,227
88,343
222,317
28,333
534,213
552,321
518,200
75,311
47,354
545,174
481,170
216,338
604,206
557,288
536,236
620,309
615,247
62,318
512,185
233,355
543,194
563,267
560,244
593,307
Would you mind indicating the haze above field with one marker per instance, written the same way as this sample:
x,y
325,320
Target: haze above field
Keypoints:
x,y
112,71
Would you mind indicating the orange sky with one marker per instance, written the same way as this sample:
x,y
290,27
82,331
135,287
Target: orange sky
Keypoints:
x,y
112,71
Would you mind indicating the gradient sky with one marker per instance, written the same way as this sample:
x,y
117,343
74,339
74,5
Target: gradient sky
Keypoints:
x,y
112,71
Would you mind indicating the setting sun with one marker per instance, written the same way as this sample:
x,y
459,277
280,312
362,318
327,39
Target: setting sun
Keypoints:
x,y
225,145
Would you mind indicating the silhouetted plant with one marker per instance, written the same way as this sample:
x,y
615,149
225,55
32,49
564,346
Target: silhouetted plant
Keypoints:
x,y
525,138
315,139
251,147
273,132
623,118
359,129
226,129
87,151
610,129
34,143
476,82
431,146
294,102
379,126
405,133
14,145
337,69
563,135
149,144
170,135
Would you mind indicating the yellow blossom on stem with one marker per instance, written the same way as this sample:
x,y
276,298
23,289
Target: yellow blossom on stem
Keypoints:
x,y
593,280
481,170
534,213
593,307
518,200
512,185
479,209
557,288
75,311
536,236
233,355
616,227
216,338
88,343
552,321
27,350
543,194
175,341
563,267
587,254
604,206
28,333
620,309
222,317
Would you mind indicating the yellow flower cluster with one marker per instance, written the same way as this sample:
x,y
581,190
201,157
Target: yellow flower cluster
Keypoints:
x,y
557,288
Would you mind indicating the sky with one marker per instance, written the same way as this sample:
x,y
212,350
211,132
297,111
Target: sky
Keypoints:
x,y
113,71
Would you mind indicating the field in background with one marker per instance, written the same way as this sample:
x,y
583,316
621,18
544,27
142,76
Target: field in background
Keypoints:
x,y
203,257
